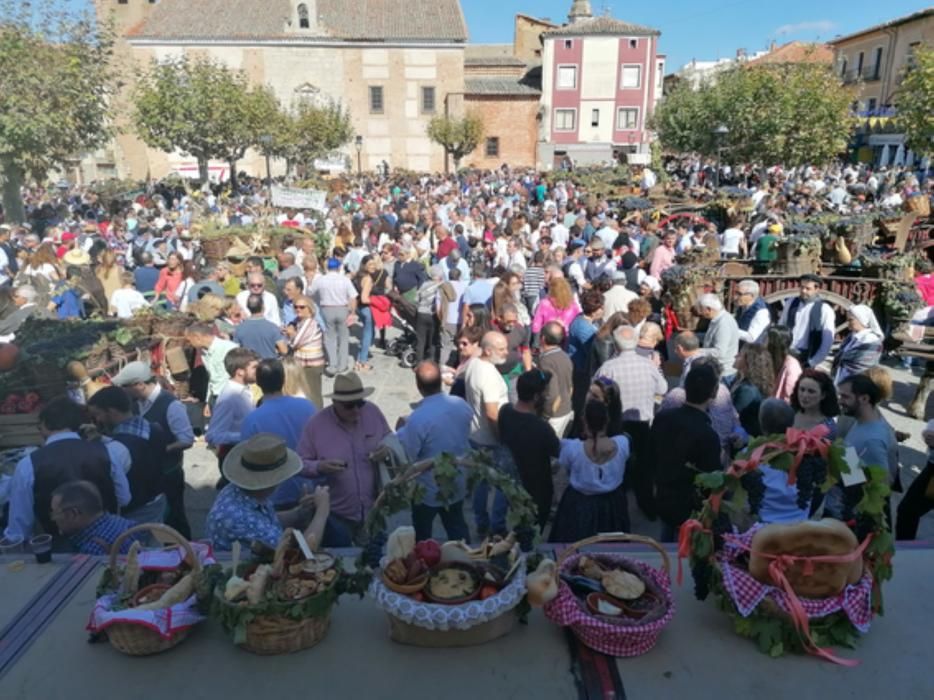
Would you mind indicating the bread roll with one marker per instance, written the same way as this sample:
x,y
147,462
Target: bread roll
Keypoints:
x,y
827,537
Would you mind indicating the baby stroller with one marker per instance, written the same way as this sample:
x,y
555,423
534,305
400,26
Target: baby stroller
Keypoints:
x,y
403,315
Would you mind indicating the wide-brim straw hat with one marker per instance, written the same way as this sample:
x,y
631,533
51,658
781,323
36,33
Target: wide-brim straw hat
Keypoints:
x,y
261,462
76,256
349,387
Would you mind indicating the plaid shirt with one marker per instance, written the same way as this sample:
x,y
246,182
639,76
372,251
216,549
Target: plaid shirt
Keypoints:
x,y
106,529
136,426
639,382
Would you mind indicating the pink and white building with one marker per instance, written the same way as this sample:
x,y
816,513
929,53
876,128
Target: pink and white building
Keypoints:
x,y
601,80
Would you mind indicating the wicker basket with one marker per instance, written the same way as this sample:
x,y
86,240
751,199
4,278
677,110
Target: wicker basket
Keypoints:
x,y
140,640
271,634
602,633
172,326
215,249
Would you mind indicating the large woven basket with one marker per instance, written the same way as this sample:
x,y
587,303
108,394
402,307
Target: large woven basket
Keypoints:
x,y
602,633
137,639
215,249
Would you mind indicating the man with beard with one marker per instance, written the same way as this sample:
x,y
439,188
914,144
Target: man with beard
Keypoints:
x,y
531,440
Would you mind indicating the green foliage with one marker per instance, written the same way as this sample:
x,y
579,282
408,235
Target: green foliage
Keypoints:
x,y
779,113
457,137
202,108
308,131
915,102
775,634
56,80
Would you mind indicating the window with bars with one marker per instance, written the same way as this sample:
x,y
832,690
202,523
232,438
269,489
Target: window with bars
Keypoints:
x,y
376,99
492,147
428,100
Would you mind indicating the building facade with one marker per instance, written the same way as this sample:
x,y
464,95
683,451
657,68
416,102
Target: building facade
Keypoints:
x,y
601,79
873,62
392,63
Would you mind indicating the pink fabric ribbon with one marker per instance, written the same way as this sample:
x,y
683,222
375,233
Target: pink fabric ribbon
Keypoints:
x,y
778,564
801,442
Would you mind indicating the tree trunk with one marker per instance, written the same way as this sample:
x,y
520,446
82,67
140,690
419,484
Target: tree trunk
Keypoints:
x,y
233,176
12,176
203,173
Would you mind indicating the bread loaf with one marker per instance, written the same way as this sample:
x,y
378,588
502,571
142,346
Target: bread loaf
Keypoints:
x,y
826,537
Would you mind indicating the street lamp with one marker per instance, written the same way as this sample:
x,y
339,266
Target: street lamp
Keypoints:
x,y
266,141
358,144
719,134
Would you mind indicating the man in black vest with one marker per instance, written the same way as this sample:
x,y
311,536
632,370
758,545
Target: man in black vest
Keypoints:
x,y
159,406
812,322
64,457
112,410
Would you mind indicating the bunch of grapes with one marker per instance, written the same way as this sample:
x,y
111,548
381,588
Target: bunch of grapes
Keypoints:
x,y
700,572
810,475
720,526
525,536
865,524
755,489
373,550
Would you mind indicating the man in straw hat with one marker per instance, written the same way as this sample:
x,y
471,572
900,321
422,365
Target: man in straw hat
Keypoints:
x,y
337,444
243,511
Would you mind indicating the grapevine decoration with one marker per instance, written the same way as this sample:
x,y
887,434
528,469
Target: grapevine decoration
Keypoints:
x,y
399,494
813,465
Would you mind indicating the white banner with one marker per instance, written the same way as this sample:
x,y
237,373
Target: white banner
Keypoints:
x,y
295,198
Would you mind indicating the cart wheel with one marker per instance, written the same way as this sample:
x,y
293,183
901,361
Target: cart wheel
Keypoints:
x,y
409,359
395,347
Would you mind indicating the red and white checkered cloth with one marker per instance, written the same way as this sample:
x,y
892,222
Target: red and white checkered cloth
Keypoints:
x,y
746,592
568,610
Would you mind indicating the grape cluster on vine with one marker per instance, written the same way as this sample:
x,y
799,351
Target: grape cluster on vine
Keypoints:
x,y
700,572
810,475
754,485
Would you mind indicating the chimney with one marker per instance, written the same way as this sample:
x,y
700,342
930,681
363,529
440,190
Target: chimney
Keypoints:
x,y
580,10
772,46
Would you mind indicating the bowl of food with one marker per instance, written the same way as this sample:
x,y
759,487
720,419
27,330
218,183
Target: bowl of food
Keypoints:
x,y
453,583
150,594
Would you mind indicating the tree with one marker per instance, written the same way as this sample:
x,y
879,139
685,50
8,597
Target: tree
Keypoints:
x,y
202,108
308,131
457,137
914,101
794,114
56,80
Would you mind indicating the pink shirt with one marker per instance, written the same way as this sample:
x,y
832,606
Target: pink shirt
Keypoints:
x,y
662,259
353,489
787,378
546,312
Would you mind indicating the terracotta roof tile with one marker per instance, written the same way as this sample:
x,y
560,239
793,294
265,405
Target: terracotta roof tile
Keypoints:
x,y
601,25
796,52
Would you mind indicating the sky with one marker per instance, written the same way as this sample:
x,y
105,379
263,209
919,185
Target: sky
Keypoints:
x,y
701,29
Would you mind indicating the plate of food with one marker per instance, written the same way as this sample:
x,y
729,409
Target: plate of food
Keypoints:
x,y
453,583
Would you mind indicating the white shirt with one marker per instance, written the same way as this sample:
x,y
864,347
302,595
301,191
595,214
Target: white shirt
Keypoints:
x,y
483,384
559,236
333,289
22,494
270,306
758,327
125,301
730,240
4,264
608,236
799,334
617,299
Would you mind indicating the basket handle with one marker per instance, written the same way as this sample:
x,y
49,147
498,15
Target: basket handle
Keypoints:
x,y
165,530
607,537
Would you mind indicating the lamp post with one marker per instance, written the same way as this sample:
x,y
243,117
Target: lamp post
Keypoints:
x,y
358,144
266,141
719,134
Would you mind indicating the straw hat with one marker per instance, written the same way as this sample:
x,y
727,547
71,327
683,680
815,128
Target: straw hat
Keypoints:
x,y
261,462
349,387
76,256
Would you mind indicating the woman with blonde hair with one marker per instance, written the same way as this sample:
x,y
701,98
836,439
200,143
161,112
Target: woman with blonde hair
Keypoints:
x,y
110,276
296,382
755,378
559,306
306,343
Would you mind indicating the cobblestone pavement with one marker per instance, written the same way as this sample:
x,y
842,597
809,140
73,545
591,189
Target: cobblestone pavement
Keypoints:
x,y
395,394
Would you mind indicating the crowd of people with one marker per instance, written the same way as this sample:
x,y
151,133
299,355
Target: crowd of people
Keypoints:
x,y
540,331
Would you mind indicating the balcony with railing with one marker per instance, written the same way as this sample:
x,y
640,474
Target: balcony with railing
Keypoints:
x,y
867,75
